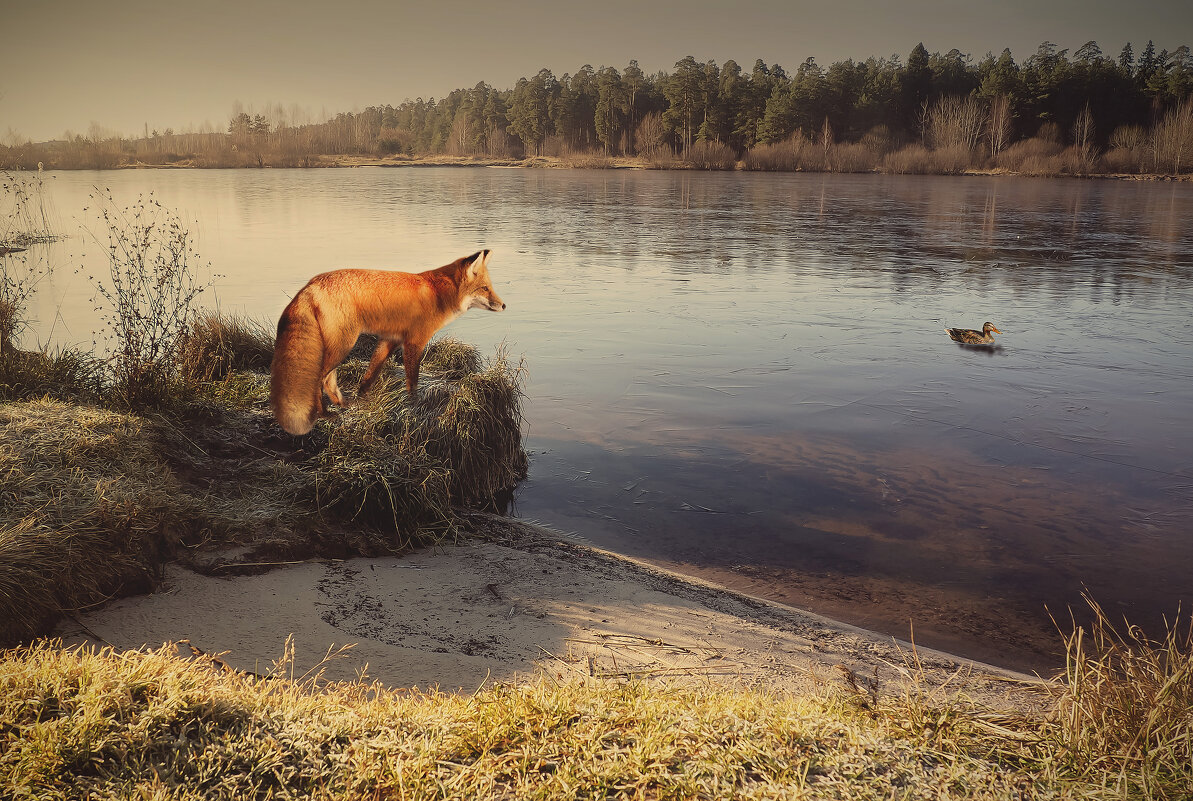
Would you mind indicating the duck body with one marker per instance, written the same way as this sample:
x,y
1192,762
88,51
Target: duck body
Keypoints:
x,y
968,336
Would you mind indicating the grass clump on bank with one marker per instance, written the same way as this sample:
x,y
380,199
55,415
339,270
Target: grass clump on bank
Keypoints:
x,y
1126,713
86,500
97,497
144,724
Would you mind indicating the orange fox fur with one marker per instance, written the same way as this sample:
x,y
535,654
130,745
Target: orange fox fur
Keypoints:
x,y
322,322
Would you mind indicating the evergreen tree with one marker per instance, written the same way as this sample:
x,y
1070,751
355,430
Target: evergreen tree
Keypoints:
x,y
684,91
612,105
636,86
529,113
916,85
1126,59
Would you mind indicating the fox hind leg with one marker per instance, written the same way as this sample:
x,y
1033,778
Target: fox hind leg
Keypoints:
x,y
332,389
384,348
336,346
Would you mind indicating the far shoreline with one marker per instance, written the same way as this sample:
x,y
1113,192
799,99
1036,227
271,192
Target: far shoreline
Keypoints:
x,y
597,162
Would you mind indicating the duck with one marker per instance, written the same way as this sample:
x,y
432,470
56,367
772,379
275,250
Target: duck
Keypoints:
x,y
967,336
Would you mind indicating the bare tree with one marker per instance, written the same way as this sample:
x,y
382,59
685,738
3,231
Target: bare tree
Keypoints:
x,y
652,135
998,126
1173,138
955,122
1083,137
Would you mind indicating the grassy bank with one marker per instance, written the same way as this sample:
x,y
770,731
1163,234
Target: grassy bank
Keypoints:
x,y
161,724
97,495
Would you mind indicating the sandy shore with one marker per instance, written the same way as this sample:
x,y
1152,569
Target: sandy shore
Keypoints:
x,y
506,602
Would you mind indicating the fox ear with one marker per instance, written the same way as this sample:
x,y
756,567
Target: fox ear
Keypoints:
x,y
477,261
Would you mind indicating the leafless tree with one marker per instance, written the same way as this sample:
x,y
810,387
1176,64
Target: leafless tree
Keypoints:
x,y
955,122
998,125
652,134
1173,138
1083,138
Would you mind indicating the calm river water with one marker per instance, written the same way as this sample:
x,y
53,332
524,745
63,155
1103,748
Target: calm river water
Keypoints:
x,y
746,377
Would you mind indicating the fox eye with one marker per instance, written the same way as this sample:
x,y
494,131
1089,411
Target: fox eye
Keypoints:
x,y
484,289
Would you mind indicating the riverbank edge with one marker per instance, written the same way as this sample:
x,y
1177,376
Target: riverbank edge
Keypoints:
x,y
597,162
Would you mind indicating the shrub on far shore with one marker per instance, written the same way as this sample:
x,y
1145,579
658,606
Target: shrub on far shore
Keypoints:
x,y
916,159
710,155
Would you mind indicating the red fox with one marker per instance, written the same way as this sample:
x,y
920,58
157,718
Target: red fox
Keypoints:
x,y
323,321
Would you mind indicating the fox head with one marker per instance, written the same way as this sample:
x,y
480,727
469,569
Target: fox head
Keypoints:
x,y
476,291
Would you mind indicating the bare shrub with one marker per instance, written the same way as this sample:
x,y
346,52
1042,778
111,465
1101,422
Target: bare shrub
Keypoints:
x,y
710,155
796,152
952,160
1125,160
1130,150
147,301
1084,149
999,124
590,160
394,140
1173,137
1049,132
914,159
660,157
1130,137
774,156
24,222
1066,162
1037,151
552,146
855,157
651,136
878,141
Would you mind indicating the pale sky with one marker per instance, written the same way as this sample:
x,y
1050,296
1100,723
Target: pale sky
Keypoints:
x,y
125,64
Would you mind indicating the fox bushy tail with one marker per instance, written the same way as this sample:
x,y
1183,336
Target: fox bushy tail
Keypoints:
x,y
296,377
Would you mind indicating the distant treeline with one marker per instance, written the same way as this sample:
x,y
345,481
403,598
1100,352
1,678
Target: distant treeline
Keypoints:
x,y
1055,113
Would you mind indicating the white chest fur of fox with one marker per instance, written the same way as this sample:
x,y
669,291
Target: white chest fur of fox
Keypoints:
x,y
322,323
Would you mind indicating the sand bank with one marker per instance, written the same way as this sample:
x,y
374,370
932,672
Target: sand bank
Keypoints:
x,y
506,602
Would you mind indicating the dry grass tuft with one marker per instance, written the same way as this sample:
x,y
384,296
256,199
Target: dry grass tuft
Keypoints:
x,y
471,419
401,465
1126,707
65,374
89,510
367,473
216,345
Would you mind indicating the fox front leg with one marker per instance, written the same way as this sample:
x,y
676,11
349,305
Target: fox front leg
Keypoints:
x,y
412,356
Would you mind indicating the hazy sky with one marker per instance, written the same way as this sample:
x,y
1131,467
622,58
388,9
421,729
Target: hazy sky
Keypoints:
x,y
124,64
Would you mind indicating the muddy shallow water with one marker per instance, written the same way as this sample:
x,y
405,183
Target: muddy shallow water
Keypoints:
x,y
746,376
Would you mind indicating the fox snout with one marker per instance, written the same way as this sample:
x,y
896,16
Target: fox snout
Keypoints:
x,y
490,302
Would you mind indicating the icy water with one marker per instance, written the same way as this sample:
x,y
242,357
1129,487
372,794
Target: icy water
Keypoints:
x,y
746,376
